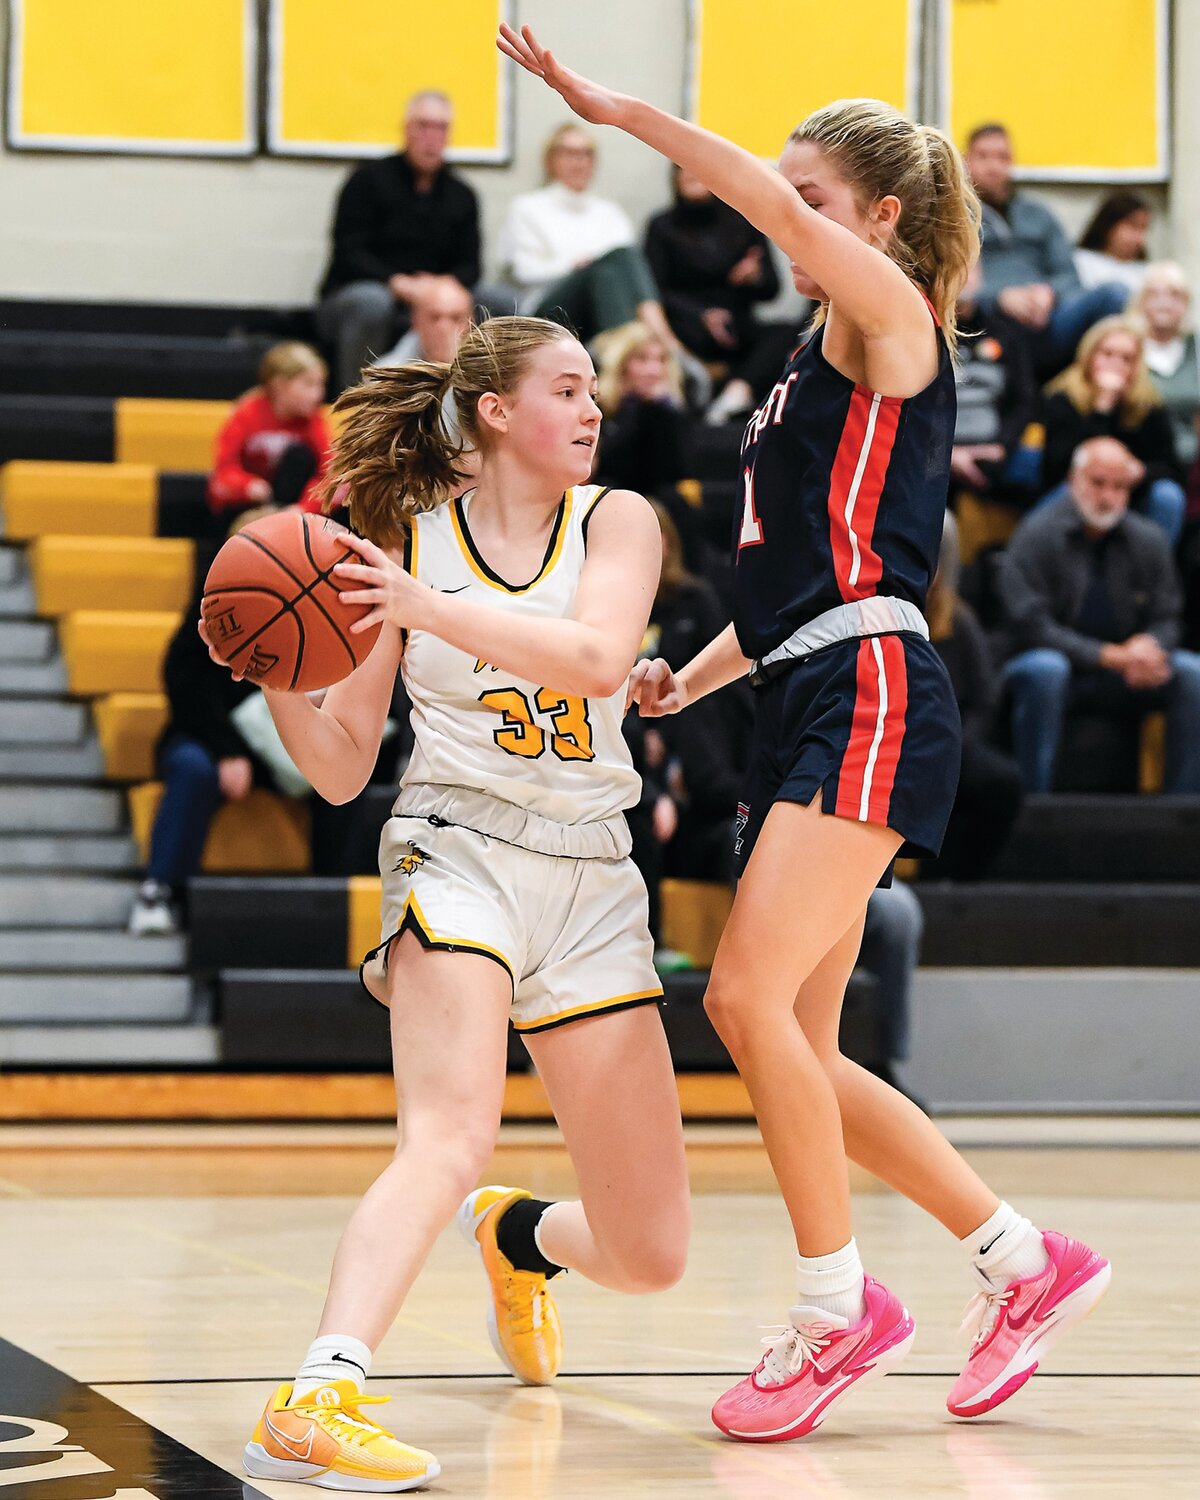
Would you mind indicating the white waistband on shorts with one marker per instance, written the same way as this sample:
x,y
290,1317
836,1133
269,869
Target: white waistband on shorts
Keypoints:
x,y
877,615
465,807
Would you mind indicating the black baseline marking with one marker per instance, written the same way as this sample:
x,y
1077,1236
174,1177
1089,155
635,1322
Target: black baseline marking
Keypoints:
x,y
647,1375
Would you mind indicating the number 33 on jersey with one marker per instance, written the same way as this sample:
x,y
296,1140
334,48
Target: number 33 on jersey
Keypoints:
x,y
560,756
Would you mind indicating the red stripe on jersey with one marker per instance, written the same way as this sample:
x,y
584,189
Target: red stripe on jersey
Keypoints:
x,y
863,580
862,734
887,757
841,482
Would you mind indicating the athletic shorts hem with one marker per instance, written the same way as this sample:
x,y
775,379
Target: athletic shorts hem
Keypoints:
x,y
585,1012
803,790
412,922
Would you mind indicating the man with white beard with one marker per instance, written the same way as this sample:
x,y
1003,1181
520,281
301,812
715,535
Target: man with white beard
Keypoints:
x,y
1095,610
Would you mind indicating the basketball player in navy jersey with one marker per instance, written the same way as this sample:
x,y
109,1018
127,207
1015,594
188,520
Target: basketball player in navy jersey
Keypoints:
x,y
844,473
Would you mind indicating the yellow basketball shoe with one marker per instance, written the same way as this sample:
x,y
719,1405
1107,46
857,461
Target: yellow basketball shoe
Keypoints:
x,y
523,1320
325,1440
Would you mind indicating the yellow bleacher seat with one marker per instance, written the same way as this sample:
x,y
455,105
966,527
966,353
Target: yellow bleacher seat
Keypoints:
x,y
109,651
39,498
1152,750
363,900
981,524
128,726
694,913
263,833
168,434
101,572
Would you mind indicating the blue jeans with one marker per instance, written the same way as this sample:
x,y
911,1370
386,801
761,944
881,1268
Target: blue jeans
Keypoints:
x,y
1054,346
191,795
891,946
1040,684
1164,502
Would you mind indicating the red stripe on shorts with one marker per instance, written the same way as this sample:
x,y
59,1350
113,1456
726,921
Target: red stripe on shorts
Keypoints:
x,y
872,754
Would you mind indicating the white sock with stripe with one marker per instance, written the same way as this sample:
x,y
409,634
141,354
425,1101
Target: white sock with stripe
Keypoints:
x,y
333,1356
832,1283
1006,1247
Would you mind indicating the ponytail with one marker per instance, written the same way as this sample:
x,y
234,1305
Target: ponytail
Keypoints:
x,y
880,152
392,455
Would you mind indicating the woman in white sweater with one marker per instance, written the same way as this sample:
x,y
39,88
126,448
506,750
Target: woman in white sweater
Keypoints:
x,y
572,254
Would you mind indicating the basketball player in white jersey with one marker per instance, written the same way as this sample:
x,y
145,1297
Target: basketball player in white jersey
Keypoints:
x,y
515,613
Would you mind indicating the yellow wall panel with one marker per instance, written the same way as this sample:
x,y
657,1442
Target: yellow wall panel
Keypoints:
x,y
125,75
1081,84
758,70
340,74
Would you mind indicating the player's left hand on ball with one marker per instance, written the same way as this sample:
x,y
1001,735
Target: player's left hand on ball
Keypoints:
x,y
590,101
396,594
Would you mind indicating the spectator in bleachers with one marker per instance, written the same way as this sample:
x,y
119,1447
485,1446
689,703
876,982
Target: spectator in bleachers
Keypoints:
x,y
1107,392
1113,245
643,435
1172,354
997,398
440,320
399,220
711,267
574,255
989,783
1095,610
1028,267
274,447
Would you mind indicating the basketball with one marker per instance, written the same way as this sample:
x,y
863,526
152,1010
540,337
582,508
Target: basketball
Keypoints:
x,y
271,608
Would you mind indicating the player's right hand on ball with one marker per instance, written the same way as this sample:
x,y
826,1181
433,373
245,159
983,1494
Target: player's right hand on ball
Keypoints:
x,y
655,689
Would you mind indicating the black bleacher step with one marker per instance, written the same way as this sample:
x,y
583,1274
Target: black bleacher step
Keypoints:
x,y
185,320
125,364
183,509
260,922
1036,925
1104,838
72,429
297,1018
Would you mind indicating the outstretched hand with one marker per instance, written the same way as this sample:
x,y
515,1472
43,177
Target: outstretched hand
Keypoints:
x,y
590,101
655,689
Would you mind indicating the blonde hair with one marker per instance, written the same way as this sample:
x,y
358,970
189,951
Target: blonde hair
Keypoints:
x,y
393,450
1142,396
616,348
286,361
1168,273
555,140
880,152
675,573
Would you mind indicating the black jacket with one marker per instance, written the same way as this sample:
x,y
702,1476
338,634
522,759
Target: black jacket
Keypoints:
x,y
383,227
1152,440
1044,578
201,694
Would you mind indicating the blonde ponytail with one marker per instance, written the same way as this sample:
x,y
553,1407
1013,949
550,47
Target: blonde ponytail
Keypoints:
x,y
881,153
393,456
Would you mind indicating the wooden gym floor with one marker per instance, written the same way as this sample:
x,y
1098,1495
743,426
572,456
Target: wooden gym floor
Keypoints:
x,y
155,1282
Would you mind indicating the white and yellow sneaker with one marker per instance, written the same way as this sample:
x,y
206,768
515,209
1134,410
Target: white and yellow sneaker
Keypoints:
x,y
523,1321
325,1440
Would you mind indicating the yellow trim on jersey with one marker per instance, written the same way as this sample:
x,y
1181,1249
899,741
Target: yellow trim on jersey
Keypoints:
x,y
614,1002
458,519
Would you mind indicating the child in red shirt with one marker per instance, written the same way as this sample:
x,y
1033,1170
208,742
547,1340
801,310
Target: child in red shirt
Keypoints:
x,y
274,448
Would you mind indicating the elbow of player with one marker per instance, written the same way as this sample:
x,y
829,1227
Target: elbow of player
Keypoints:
x,y
339,789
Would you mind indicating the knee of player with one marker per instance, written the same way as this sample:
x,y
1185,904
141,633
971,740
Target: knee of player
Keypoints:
x,y
457,1144
729,1011
654,1262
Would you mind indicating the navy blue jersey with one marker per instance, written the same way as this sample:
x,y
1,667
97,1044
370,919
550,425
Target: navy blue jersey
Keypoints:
x,y
843,496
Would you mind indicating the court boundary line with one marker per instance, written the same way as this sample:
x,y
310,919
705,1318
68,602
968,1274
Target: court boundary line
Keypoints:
x,y
638,1375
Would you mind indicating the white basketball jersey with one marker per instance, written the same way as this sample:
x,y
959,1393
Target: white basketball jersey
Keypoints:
x,y
477,726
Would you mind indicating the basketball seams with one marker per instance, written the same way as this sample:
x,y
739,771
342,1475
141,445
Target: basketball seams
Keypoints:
x,y
323,577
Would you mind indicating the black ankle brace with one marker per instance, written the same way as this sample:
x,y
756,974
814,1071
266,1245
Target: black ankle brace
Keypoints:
x,y
515,1237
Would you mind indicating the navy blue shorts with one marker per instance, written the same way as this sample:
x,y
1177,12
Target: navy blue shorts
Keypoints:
x,y
873,726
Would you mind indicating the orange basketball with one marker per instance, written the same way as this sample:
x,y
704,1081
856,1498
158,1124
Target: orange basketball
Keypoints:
x,y
271,608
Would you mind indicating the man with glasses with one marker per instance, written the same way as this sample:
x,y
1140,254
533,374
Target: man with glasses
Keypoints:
x,y
401,222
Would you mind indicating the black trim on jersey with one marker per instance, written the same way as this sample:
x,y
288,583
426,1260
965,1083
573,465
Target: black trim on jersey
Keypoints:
x,y
603,1010
430,944
587,520
512,588
408,541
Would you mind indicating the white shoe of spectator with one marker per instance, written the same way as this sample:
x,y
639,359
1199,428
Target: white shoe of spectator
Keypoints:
x,y
152,915
736,399
696,379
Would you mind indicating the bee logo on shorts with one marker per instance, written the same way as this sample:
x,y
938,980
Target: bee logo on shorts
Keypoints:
x,y
411,862
739,828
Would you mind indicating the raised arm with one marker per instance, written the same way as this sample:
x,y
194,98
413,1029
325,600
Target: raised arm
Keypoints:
x,y
868,289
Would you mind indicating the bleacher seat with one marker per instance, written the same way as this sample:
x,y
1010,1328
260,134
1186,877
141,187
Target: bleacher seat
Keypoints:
x,y
694,913
364,899
77,499
263,832
167,434
128,726
111,573
108,651
982,524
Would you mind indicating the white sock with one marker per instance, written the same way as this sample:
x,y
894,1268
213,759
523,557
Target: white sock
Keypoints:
x,y
832,1283
1006,1248
334,1356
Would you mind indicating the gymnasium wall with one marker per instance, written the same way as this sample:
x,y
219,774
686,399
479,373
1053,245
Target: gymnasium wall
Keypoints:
x,y
256,231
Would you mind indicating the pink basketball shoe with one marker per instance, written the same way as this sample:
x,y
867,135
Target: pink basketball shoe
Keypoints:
x,y
810,1365
1013,1328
